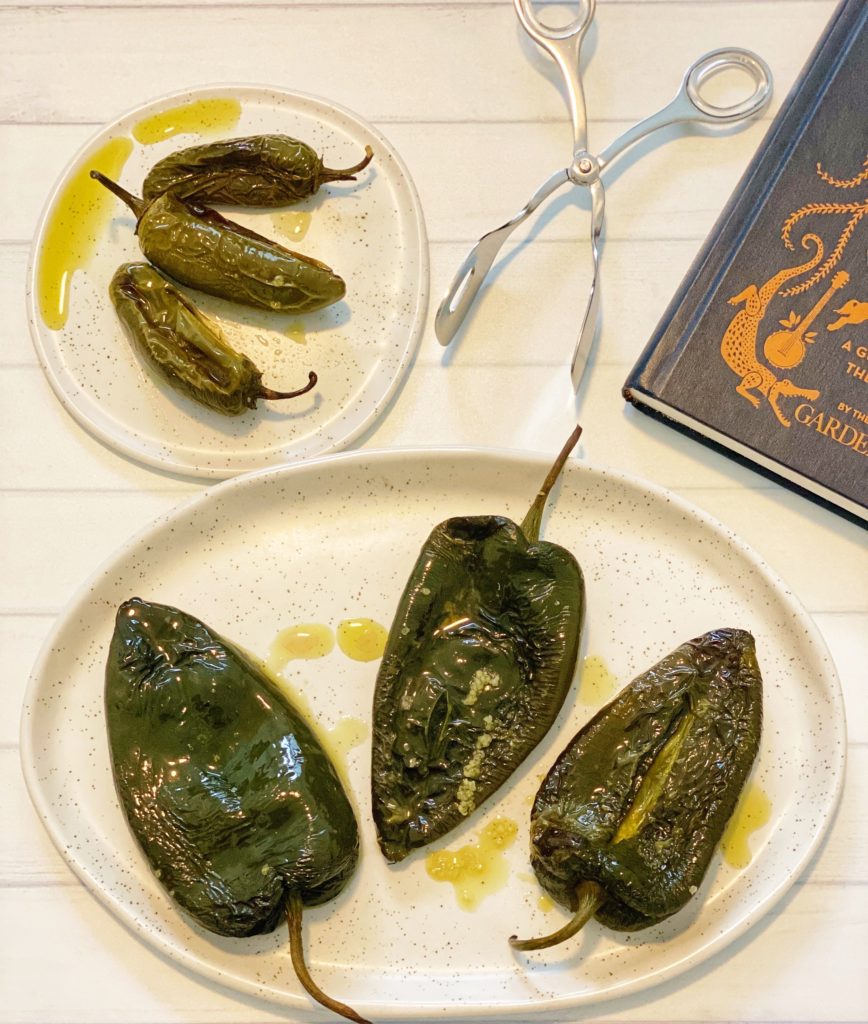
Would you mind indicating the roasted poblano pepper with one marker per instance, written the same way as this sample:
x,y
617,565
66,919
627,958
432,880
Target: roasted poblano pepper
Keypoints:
x,y
626,821
231,797
198,247
478,662
185,348
258,170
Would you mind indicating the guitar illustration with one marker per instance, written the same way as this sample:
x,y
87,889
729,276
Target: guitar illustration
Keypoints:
x,y
786,348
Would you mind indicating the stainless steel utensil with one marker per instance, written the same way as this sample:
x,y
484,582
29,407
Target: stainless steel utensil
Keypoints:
x,y
585,169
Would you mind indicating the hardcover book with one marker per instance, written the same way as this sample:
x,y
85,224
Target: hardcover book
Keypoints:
x,y
763,352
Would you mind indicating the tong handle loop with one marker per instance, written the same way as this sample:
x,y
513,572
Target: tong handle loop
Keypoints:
x,y
722,60
543,34
564,46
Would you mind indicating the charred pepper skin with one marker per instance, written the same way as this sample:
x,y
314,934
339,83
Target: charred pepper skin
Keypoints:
x,y
184,348
256,170
231,797
196,246
200,248
478,662
638,801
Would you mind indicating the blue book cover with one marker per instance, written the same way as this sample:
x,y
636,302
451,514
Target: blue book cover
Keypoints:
x,y
763,352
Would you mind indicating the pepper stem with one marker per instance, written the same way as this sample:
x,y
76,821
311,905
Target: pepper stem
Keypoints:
x,y
296,952
590,897
532,522
133,202
272,396
346,173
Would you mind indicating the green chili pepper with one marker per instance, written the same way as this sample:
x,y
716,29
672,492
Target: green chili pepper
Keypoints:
x,y
196,246
184,347
259,170
231,797
477,664
625,823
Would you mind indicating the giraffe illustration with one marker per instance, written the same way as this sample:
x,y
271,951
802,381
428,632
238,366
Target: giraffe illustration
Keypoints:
x,y
739,344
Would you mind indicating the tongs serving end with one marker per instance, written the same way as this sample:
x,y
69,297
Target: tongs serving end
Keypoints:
x,y
474,268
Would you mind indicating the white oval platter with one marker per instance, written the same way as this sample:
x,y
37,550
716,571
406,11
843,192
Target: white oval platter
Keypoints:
x,y
335,538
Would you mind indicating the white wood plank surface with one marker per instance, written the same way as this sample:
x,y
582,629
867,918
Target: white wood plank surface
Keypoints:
x,y
476,113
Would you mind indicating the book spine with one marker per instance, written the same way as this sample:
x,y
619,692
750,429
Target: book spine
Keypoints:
x,y
687,307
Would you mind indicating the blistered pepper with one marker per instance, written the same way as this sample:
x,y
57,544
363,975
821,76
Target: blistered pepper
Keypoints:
x,y
185,348
231,797
626,822
198,247
257,170
477,664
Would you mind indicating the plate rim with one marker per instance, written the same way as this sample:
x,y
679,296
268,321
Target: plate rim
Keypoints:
x,y
421,299
552,1005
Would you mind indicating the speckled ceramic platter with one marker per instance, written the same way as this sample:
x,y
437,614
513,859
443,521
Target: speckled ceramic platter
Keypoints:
x,y
335,538
370,231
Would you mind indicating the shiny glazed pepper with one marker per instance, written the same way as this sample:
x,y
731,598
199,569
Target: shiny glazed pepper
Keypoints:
x,y
185,348
626,821
257,170
231,797
478,662
196,246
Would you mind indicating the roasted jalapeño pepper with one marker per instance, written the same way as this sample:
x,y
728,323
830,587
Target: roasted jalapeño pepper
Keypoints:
x,y
185,348
478,662
232,799
258,170
626,821
198,247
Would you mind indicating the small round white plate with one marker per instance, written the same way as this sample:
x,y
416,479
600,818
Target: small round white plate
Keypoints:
x,y
370,231
336,538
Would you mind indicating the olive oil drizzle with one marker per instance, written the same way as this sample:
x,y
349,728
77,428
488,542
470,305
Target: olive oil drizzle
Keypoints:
x,y
297,332
477,869
302,641
597,682
78,219
362,639
751,812
201,117
294,224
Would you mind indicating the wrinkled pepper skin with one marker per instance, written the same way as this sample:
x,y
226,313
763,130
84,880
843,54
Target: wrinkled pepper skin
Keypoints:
x,y
640,798
257,170
478,662
184,348
228,792
198,247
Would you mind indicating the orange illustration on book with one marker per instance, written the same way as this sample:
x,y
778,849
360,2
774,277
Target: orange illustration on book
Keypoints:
x,y
852,313
856,211
739,345
786,348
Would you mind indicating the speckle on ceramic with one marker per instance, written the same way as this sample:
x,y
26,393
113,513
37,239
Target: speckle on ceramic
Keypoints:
x,y
316,542
370,231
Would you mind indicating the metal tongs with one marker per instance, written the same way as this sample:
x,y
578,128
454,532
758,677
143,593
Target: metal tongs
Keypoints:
x,y
564,46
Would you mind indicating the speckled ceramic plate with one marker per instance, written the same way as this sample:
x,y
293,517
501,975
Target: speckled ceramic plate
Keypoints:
x,y
335,539
370,231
